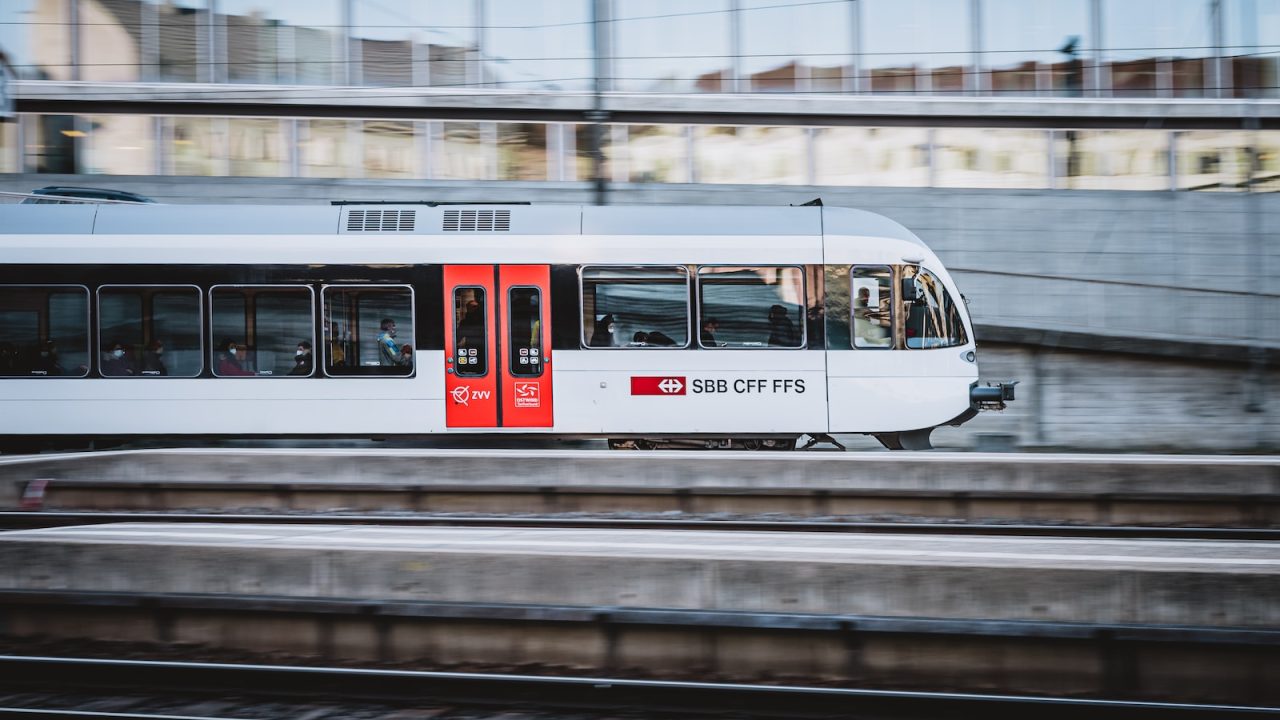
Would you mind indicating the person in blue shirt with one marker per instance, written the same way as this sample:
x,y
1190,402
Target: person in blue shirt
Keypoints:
x,y
388,349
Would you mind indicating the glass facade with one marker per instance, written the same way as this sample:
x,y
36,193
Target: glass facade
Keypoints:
x,y
51,143
325,148
8,147
1040,48
957,157
35,38
672,46
987,157
769,155
915,46
289,42
871,156
1102,48
1050,48
257,147
522,151
462,153
801,48
429,42
1112,160
1157,48
537,46
1252,65
120,145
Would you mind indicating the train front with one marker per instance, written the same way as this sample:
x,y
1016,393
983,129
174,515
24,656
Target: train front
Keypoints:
x,y
902,355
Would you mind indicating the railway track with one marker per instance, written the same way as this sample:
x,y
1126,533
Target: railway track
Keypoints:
x,y
16,520
516,696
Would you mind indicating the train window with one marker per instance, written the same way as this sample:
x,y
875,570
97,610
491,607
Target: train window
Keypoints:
x,y
44,331
369,330
751,307
524,305
470,340
267,325
635,307
872,310
149,331
932,318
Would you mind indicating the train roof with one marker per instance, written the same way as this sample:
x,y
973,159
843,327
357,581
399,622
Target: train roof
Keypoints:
x,y
385,219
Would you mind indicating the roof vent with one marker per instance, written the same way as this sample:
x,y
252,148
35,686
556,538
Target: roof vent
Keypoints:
x,y
477,220
380,220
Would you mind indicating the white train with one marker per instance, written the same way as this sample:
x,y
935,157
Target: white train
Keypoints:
x,y
718,326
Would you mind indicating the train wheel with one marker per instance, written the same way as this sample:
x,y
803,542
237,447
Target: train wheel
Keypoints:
x,y
779,444
751,444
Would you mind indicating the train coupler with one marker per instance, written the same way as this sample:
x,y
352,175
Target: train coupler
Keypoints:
x,y
992,395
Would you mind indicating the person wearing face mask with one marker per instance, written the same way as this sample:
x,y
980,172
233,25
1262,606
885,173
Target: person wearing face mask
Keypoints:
x,y
388,348
302,359
152,362
47,360
116,362
229,360
603,334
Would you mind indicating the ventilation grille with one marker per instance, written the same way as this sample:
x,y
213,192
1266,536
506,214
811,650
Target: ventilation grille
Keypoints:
x,y
380,220
477,220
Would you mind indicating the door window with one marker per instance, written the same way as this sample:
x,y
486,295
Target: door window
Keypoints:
x,y
524,305
470,339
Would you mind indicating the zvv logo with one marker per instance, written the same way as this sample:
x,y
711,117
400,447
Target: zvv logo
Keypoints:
x,y
463,394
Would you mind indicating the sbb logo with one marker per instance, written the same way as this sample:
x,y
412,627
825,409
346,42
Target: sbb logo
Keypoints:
x,y
669,385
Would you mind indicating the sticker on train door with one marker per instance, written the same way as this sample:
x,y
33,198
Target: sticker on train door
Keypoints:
x,y
527,395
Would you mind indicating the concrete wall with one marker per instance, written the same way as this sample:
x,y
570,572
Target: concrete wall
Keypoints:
x,y
1136,269
1102,401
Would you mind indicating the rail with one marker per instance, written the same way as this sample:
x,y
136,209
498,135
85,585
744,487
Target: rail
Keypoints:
x,y
600,693
18,520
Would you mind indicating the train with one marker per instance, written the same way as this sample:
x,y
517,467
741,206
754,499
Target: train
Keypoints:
x,y
651,326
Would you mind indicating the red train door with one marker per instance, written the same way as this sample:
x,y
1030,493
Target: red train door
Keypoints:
x,y
497,334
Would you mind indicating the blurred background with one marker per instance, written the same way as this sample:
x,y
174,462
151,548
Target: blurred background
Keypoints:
x,y
1100,175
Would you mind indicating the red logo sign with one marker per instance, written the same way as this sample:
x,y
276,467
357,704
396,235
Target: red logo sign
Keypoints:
x,y
526,394
658,386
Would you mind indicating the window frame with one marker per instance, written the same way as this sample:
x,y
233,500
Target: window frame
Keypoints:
x,y
893,313
804,298
88,326
213,366
453,294
413,321
688,308
512,361
200,332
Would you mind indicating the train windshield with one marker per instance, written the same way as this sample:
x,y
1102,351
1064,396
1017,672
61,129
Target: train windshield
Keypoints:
x,y
932,317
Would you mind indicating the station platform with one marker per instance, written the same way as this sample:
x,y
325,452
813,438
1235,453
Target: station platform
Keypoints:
x,y
1092,489
1078,473
1157,582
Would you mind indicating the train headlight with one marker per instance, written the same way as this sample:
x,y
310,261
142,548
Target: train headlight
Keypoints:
x,y
969,356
